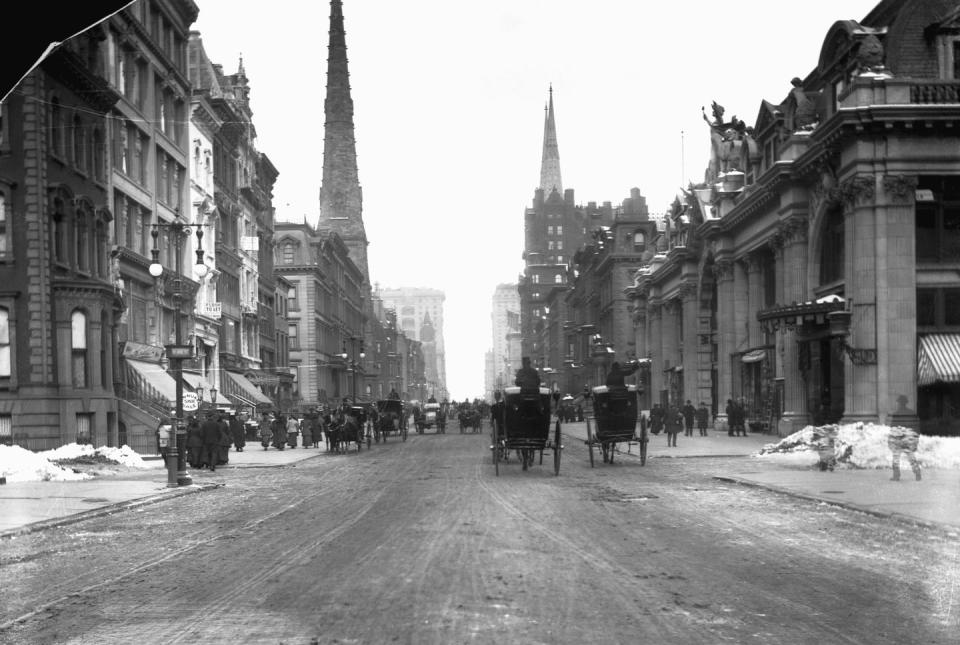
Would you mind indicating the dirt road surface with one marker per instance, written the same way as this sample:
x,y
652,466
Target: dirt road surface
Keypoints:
x,y
420,542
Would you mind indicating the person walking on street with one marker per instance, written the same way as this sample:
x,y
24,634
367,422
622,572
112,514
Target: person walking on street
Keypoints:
x,y
266,432
703,418
236,429
689,412
903,441
293,429
210,434
673,422
226,440
194,443
280,432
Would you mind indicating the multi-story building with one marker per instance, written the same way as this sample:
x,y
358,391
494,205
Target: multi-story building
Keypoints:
x,y
62,303
505,321
813,273
325,310
420,316
243,185
554,227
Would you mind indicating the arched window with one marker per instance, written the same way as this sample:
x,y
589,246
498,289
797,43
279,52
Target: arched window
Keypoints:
x,y
832,246
81,236
76,153
5,366
78,348
288,254
639,241
558,279
99,162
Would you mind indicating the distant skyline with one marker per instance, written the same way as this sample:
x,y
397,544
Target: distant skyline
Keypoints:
x,y
449,100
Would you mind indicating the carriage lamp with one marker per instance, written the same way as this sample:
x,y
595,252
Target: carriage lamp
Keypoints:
x,y
176,463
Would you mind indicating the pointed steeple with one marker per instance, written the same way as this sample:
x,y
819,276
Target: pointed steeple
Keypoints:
x,y
341,199
550,164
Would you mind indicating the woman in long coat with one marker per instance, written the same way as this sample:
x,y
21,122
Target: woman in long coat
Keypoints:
x,y
265,432
194,443
280,432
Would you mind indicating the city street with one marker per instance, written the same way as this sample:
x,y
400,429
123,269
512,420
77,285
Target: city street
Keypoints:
x,y
420,542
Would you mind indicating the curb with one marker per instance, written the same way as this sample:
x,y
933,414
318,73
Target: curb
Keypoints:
x,y
899,517
107,510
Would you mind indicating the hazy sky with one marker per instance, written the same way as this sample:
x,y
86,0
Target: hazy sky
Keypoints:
x,y
449,96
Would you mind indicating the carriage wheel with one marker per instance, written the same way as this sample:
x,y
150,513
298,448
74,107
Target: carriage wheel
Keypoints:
x,y
403,433
643,448
590,442
556,449
369,441
613,449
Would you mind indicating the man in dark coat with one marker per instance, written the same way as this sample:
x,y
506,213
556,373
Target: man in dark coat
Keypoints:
x,y
527,377
210,435
226,440
236,429
703,418
689,413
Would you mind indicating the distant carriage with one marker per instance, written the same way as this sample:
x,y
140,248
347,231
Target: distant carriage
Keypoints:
x,y
615,421
428,418
470,419
390,419
350,431
525,428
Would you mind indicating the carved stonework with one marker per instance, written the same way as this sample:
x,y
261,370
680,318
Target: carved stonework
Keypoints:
x,y
900,187
751,262
776,242
673,306
723,270
687,290
859,189
794,231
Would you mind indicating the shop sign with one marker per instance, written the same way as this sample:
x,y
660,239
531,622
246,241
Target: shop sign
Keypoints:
x,y
142,352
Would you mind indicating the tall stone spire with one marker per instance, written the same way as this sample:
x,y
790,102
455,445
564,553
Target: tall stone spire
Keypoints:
x,y
341,199
550,164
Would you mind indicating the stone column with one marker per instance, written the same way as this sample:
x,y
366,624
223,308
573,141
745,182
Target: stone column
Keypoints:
x,y
689,305
669,333
726,321
794,268
655,349
754,299
896,281
861,275
741,329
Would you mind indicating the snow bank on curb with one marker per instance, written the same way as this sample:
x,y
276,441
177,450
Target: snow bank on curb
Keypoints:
x,y
859,445
20,465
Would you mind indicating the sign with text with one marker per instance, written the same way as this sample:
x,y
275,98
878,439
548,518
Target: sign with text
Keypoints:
x,y
142,352
190,402
180,351
212,310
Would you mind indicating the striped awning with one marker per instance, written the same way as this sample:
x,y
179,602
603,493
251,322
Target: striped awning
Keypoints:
x,y
938,359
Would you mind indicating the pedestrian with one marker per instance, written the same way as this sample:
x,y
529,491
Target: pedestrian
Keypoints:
x,y
689,412
824,438
226,440
903,441
237,430
194,443
703,418
266,432
210,434
731,411
656,419
280,432
673,421
293,429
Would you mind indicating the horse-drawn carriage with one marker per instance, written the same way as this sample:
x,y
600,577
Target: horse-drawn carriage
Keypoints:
x,y
390,418
351,430
524,426
470,419
615,420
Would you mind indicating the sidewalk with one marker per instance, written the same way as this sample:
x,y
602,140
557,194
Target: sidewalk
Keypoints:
x,y
26,507
933,502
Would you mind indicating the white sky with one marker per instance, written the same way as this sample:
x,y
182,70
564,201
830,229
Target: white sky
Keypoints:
x,y
448,109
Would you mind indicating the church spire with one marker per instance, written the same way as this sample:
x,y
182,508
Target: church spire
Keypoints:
x,y
550,164
341,199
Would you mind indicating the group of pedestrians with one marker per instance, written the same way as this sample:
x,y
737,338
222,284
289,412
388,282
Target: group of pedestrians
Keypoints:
x,y
286,431
672,419
209,440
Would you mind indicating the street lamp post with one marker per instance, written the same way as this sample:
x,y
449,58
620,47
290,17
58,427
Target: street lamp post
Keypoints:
x,y
352,356
176,463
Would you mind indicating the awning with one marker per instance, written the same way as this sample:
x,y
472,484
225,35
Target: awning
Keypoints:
x,y
237,385
754,356
156,377
195,381
938,359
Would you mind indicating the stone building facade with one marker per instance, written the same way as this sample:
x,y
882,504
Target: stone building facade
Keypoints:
x,y
813,272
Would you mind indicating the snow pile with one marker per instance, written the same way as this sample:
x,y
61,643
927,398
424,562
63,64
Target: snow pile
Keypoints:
x,y
124,456
857,445
20,465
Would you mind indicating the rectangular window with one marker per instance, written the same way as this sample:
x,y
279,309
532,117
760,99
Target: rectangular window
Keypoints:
x,y
292,335
559,229
4,233
549,230
84,428
951,306
5,363
956,60
6,429
559,245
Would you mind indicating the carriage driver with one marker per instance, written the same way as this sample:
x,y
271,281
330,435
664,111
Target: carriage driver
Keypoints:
x,y
527,377
393,395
